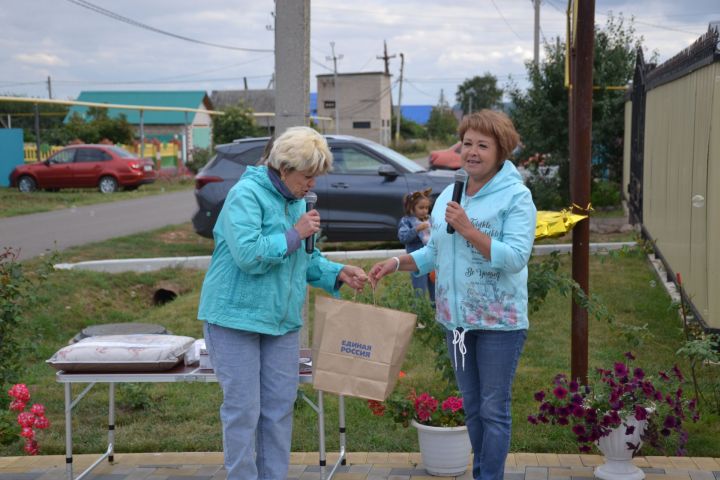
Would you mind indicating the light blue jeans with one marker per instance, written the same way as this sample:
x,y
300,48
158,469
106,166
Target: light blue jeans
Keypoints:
x,y
486,384
258,375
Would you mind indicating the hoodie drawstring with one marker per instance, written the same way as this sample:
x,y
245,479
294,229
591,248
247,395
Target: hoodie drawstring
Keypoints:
x,y
459,344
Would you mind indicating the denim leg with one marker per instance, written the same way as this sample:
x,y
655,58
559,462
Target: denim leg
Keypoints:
x,y
486,386
235,355
278,391
258,375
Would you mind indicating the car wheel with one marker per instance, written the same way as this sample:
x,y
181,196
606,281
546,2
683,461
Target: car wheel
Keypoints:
x,y
27,184
108,185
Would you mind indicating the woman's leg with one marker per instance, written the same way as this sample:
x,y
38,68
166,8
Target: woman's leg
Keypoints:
x,y
486,384
278,391
235,355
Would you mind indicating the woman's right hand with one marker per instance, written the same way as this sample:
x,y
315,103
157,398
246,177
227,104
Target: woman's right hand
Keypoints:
x,y
309,224
380,269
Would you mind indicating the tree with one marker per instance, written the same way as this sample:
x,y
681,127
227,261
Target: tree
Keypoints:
x,y
238,122
541,113
22,115
442,124
479,92
408,128
95,127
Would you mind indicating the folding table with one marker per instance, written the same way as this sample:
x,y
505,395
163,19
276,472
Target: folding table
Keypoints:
x,y
178,374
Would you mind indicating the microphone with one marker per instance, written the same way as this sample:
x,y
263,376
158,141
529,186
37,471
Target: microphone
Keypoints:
x,y
461,177
310,201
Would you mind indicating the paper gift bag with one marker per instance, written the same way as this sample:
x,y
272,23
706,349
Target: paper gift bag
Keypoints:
x,y
358,349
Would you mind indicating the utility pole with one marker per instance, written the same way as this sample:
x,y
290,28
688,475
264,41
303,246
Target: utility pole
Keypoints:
x,y
386,58
292,63
399,112
334,59
581,126
245,82
49,82
536,45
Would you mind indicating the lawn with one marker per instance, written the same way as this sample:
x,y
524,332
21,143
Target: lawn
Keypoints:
x,y
184,417
14,203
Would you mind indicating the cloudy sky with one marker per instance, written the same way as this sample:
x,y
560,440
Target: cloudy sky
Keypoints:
x,y
444,42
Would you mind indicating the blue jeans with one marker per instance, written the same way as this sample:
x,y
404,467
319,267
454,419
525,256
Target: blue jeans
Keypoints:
x,y
486,384
258,375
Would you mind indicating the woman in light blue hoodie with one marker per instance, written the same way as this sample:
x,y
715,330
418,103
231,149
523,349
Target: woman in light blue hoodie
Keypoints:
x,y
252,297
481,281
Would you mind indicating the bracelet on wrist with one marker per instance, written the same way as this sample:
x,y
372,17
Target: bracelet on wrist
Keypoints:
x,y
397,263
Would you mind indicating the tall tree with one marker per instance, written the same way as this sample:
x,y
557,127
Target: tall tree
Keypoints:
x,y
442,124
479,92
541,113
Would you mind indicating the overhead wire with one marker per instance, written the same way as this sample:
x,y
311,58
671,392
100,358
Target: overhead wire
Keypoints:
x,y
135,23
506,22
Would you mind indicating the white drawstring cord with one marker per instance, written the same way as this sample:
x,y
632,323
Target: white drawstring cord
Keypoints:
x,y
459,339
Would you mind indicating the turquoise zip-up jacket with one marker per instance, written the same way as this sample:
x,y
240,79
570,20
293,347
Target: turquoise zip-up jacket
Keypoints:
x,y
471,291
252,284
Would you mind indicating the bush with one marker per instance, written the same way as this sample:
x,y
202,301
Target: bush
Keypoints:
x,y
545,192
200,158
604,193
410,146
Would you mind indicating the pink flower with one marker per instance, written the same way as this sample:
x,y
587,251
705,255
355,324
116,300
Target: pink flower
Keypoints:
x,y
453,404
425,406
38,409
26,419
20,392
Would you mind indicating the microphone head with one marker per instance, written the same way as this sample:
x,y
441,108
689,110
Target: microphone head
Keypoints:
x,y
461,176
311,197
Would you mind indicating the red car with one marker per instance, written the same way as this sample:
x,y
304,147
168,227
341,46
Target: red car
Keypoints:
x,y
448,159
106,167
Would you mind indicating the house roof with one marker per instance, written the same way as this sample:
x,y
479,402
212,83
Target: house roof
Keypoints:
x,y
258,100
419,114
182,99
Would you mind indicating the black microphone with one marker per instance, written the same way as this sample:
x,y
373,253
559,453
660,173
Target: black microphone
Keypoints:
x,y
461,177
310,201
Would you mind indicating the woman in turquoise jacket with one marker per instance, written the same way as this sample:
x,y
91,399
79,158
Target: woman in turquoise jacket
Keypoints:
x,y
252,298
481,281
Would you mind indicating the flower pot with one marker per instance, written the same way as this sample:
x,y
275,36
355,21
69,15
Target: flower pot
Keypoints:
x,y
445,451
618,457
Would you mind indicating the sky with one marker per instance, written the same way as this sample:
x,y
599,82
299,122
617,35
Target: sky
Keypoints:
x,y
443,42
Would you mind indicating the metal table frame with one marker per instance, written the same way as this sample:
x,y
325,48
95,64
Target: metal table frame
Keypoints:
x,y
178,374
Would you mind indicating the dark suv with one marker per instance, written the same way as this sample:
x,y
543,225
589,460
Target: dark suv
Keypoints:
x,y
361,199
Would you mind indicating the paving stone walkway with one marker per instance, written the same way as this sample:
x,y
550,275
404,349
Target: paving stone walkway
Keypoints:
x,y
360,466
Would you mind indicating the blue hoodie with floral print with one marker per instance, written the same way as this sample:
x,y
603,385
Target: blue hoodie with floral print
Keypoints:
x,y
471,291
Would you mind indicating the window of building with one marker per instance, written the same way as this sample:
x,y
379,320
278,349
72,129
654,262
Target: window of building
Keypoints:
x,y
361,124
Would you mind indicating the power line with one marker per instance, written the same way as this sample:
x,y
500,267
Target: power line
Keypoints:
x,y
506,22
135,23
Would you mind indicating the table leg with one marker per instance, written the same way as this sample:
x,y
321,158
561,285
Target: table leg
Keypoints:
x,y
111,423
321,433
341,415
68,432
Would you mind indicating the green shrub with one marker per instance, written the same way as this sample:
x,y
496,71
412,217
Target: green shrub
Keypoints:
x,y
604,193
200,158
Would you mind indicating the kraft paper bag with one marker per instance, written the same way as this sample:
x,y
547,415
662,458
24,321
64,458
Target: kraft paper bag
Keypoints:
x,y
358,349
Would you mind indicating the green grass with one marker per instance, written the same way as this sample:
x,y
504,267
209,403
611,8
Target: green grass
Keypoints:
x,y
14,203
184,417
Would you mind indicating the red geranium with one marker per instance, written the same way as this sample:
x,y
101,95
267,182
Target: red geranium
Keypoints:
x,y
28,421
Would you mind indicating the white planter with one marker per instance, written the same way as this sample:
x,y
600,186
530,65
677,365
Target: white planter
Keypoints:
x,y
618,457
445,451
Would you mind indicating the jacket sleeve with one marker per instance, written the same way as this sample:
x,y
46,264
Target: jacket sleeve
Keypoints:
x,y
406,231
240,224
322,273
512,252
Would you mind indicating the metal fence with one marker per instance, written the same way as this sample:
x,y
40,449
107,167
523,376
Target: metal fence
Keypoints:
x,y
672,165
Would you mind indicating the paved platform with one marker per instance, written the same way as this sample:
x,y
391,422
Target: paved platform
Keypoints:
x,y
360,466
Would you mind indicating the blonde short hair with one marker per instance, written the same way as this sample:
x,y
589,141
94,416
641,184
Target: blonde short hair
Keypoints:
x,y
302,149
495,124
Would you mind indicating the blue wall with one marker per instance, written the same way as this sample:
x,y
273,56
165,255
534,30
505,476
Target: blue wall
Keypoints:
x,y
11,153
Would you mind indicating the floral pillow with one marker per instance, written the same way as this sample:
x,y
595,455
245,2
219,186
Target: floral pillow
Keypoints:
x,y
122,353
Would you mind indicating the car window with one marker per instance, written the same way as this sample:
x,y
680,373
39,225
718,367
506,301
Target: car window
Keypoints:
x,y
121,152
63,156
91,155
233,164
351,160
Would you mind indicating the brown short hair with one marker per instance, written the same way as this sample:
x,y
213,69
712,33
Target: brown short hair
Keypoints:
x,y
496,124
